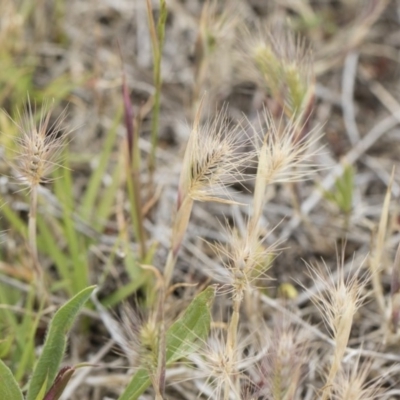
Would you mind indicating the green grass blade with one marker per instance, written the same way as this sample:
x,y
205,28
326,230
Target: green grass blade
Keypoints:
x,y
48,244
15,221
123,292
42,390
56,340
139,383
182,338
9,389
94,184
63,187
26,334
106,202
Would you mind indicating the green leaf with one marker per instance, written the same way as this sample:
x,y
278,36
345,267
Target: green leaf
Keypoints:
x,y
342,193
56,340
123,292
48,244
77,243
9,389
42,390
138,384
194,324
182,337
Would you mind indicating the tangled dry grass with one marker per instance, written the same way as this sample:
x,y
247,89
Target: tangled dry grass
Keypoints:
x,y
229,182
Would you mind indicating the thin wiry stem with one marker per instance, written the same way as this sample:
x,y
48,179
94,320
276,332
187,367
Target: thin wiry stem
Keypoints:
x,y
32,232
231,345
157,38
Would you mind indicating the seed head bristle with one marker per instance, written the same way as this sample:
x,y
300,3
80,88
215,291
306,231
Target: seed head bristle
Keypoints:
x,y
246,259
213,160
281,370
282,157
282,63
340,298
213,364
39,144
353,383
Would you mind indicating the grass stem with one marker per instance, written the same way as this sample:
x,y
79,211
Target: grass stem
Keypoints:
x,y
157,38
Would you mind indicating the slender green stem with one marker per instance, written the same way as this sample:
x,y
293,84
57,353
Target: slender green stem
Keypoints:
x,y
157,38
162,347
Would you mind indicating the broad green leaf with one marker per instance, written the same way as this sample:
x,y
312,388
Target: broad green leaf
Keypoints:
x,y
193,325
181,338
56,340
9,389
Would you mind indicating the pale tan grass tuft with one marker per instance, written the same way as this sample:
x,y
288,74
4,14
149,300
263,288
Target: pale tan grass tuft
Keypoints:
x,y
219,370
213,160
247,260
338,301
283,157
283,367
353,383
39,145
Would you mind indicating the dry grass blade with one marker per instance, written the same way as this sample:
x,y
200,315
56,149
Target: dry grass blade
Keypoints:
x,y
378,250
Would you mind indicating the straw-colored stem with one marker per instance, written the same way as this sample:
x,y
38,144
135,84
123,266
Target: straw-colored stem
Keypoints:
x,y
343,328
169,267
32,231
259,190
337,358
227,389
178,232
231,345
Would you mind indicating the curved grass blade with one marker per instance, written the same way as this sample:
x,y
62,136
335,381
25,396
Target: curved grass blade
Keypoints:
x,y
56,341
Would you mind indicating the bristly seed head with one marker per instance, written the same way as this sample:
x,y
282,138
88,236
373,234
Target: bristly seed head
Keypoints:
x,y
39,145
214,158
339,298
